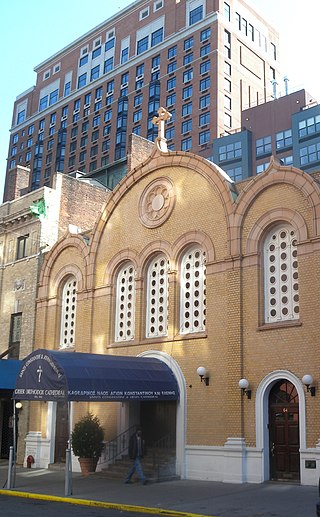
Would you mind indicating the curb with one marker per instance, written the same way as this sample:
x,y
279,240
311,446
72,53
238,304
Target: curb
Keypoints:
x,y
102,504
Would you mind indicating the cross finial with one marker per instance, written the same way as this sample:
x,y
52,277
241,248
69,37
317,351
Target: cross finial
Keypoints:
x,y
163,116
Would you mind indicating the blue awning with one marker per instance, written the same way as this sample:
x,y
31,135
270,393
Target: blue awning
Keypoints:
x,y
59,375
9,369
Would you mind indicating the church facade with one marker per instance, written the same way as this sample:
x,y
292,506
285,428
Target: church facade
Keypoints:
x,y
189,268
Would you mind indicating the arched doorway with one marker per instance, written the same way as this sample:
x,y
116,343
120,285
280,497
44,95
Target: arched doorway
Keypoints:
x,y
284,441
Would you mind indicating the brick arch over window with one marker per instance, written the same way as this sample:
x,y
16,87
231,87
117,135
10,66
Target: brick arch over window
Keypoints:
x,y
275,174
153,248
50,259
158,162
193,237
274,217
115,263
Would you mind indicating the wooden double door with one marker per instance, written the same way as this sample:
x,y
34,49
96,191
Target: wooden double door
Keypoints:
x,y
284,432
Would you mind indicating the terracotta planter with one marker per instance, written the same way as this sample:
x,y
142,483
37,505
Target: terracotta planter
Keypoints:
x,y
88,465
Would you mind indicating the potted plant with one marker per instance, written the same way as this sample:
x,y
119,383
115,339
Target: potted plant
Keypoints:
x,y
87,442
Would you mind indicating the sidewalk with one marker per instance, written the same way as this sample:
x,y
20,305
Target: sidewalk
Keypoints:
x,y
181,498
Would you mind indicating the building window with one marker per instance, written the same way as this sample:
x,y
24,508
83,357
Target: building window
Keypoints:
x,y
188,58
137,100
157,37
286,160
196,15
205,67
170,133
205,50
227,102
136,130
281,275
29,142
235,174
263,146
82,80
188,75
186,92
95,73
230,152
171,99
124,55
204,118
157,297
227,120
96,52
68,313
82,156
22,242
125,303
96,121
204,84
204,137
53,98
309,126
204,101
186,144
108,65
205,34
187,109
188,43
186,126
171,83
227,11
193,291
74,132
172,52
142,45
262,167
83,60
144,14
284,139
227,68
43,104
171,67
15,335
109,44
67,89
310,154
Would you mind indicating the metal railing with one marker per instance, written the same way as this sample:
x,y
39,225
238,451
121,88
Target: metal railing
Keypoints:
x,y
117,447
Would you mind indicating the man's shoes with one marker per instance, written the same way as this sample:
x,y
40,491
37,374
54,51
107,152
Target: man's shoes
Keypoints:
x,y
128,482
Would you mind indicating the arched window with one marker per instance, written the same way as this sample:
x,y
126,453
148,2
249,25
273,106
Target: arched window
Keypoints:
x,y
281,286
157,297
68,313
193,291
125,303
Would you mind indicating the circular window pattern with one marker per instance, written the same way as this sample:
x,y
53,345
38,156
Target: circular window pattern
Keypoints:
x,y
156,202
283,290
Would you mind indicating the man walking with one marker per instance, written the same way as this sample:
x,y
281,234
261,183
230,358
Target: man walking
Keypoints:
x,y
136,453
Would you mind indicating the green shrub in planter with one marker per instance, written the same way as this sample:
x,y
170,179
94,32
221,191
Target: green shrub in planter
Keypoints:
x,y
87,437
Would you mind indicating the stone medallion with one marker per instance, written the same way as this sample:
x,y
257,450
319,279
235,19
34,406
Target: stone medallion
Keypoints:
x,y
156,202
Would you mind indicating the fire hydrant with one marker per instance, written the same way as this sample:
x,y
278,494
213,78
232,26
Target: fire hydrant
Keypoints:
x,y
30,460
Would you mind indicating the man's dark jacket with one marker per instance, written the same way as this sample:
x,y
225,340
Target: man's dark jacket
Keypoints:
x,y
133,447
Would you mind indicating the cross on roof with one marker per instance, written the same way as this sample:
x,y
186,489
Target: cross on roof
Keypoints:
x,y
163,116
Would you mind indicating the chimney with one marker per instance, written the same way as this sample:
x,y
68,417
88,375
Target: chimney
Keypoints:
x,y
286,87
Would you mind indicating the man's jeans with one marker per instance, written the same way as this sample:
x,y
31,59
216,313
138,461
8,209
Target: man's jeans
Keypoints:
x,y
136,467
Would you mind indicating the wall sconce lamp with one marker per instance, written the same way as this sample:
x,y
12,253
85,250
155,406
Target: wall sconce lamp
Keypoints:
x,y
307,380
18,405
201,371
244,385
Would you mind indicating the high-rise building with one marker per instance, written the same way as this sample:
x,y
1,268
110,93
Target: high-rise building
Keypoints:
x,y
287,128
204,60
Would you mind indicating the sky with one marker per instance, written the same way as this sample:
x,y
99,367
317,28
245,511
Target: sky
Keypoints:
x,y
33,30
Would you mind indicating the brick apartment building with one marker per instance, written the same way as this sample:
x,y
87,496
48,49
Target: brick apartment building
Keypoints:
x,y
24,240
211,274
204,60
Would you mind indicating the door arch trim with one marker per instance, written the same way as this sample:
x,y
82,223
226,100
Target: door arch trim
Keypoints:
x,y
262,414
181,407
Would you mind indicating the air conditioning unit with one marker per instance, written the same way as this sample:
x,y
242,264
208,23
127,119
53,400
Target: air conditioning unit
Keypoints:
x,y
40,131
155,68
139,77
98,99
123,86
86,106
75,112
109,93
52,124
64,117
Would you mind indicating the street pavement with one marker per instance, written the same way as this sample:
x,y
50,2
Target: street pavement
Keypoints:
x,y
180,498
